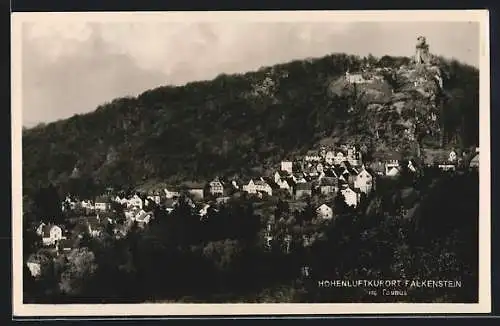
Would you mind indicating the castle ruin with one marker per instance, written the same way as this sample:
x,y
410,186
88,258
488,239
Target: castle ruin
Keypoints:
x,y
422,55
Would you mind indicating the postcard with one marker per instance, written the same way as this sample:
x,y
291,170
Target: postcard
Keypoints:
x,y
250,163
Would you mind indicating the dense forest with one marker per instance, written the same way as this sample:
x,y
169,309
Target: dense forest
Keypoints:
x,y
237,123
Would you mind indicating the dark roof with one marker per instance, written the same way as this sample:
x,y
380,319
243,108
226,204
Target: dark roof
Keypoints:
x,y
330,172
66,243
328,181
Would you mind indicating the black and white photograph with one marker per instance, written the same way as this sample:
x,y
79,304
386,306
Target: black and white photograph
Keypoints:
x,y
170,163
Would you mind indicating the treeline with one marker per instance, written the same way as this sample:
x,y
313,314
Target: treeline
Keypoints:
x,y
223,256
228,125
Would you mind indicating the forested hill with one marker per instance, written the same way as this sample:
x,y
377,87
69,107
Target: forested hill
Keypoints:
x,y
236,123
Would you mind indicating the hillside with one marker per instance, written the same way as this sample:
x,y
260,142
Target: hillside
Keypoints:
x,y
236,123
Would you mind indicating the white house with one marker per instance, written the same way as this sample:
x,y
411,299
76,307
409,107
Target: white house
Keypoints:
x,y
216,187
51,234
324,211
170,193
364,181
411,167
339,158
287,166
330,157
452,157
350,196
250,187
102,203
155,198
392,168
87,204
262,186
35,268
446,167
135,201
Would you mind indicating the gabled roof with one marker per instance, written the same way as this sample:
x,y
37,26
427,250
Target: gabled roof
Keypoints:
x,y
46,230
217,179
66,243
324,206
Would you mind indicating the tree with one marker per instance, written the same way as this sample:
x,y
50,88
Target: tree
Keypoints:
x,y
78,272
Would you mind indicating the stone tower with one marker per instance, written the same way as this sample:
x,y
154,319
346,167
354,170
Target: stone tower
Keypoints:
x,y
422,55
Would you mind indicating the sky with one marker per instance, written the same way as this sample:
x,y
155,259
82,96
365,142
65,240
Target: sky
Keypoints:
x,y
71,68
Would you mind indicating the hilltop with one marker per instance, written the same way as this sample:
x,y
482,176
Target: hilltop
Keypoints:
x,y
235,124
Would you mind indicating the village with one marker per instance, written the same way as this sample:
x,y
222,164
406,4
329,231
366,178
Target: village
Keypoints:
x,y
325,173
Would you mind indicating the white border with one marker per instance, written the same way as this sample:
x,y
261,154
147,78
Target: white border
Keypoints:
x,y
117,310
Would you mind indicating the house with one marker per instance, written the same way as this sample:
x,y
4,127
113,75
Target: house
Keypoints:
x,y
51,234
330,157
339,158
287,166
135,201
171,193
364,181
351,197
68,203
324,211
474,163
250,187
377,168
94,225
155,197
143,218
216,187
204,210
195,189
170,204
303,189
102,203
87,204
328,185
263,186
120,200
446,167
392,168
412,166
319,167
312,156
285,184
34,264
452,157
222,200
